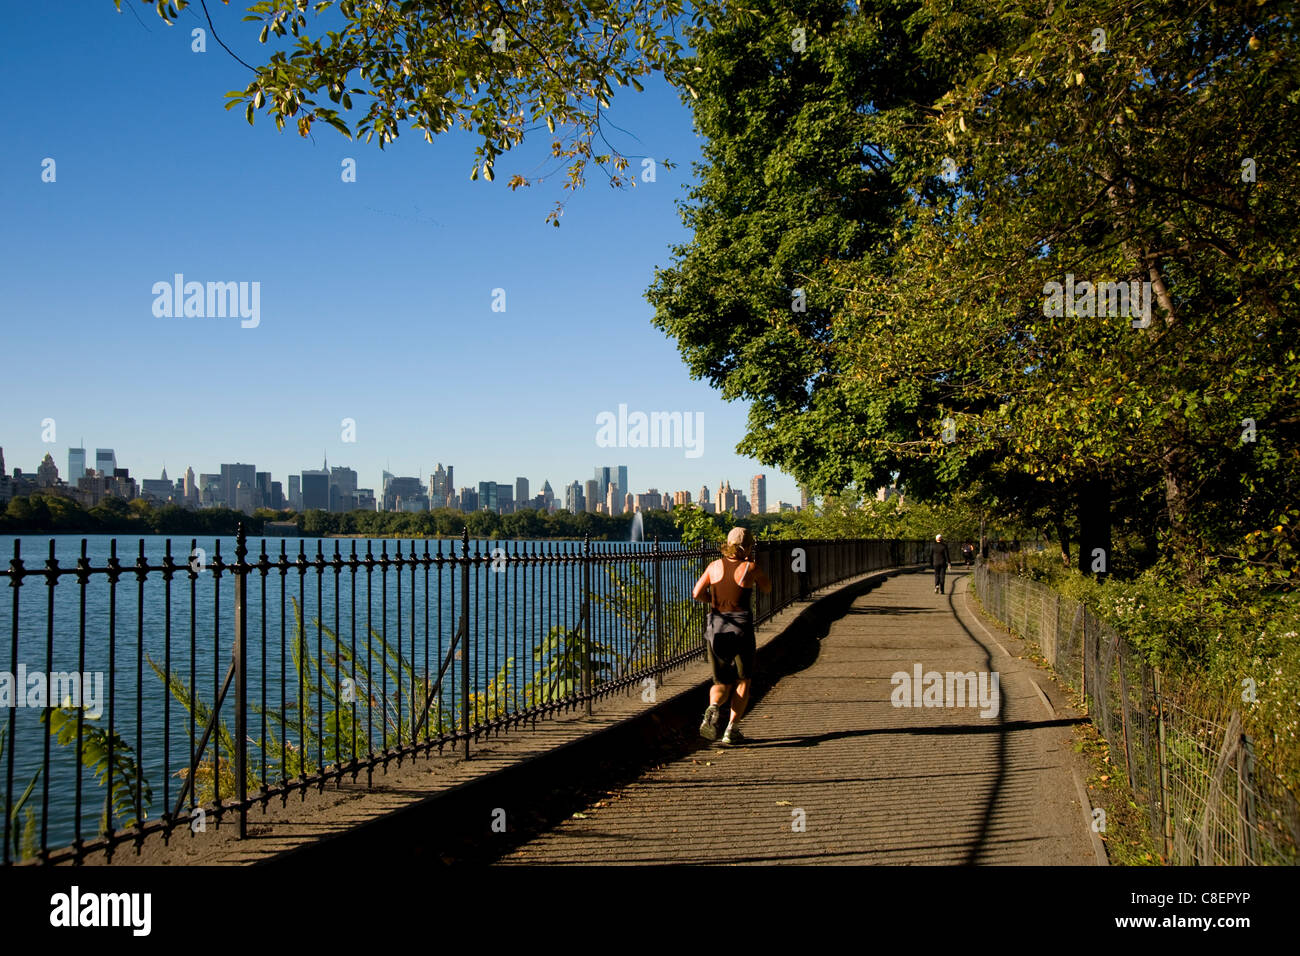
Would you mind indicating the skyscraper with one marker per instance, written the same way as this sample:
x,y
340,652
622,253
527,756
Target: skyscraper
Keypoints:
x,y
603,481
505,498
261,490
316,490
191,490
343,489
441,489
758,494
613,500
487,496
574,500
521,492
105,461
76,464
295,492
592,494
232,476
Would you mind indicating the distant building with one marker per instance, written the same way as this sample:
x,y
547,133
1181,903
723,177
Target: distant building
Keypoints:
x,y
603,480
487,496
468,500
343,489
758,494
277,497
613,500
521,490
262,489
191,489
622,479
725,500
76,465
405,488
210,494
591,495
295,492
105,461
505,498
232,476
245,498
441,488
315,490
574,500
158,489
47,473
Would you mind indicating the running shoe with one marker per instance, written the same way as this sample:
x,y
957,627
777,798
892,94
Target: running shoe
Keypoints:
x,y
709,727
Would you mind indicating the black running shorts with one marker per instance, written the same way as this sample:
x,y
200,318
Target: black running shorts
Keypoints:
x,y
731,645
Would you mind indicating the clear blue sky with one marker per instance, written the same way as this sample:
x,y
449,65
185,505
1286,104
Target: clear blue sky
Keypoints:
x,y
375,295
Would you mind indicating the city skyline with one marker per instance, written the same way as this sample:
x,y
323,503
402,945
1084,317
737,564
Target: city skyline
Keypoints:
x,y
241,486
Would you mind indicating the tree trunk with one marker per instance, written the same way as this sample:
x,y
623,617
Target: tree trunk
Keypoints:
x,y
1177,500
1063,537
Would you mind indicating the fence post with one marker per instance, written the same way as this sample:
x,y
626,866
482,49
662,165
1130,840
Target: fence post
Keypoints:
x,y
1246,797
1165,809
241,677
585,623
464,637
659,614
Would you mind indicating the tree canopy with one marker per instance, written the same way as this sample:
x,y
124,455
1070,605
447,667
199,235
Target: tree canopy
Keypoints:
x,y
878,227
496,68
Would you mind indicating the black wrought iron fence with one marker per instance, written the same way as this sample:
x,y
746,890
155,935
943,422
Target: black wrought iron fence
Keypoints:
x,y
204,686
1189,762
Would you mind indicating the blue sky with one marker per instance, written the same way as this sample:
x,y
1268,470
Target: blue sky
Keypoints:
x,y
375,295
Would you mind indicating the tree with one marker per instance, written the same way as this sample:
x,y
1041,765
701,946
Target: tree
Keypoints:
x,y
984,158
799,174
499,68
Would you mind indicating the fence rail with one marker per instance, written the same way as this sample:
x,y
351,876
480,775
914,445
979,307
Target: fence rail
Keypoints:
x,y
1194,772
273,673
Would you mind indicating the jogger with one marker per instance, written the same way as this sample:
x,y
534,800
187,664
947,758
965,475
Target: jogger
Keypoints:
x,y
939,559
727,584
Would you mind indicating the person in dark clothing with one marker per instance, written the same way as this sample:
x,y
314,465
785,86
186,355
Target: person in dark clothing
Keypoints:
x,y
939,560
968,552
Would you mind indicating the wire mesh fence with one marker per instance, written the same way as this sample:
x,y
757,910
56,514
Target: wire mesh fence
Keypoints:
x,y
1186,758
